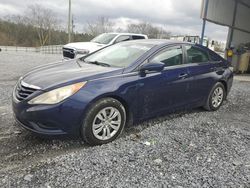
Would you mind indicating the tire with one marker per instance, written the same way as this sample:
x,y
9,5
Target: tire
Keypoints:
x,y
217,91
104,122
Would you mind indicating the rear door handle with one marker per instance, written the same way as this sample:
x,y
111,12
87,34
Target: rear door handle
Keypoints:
x,y
183,75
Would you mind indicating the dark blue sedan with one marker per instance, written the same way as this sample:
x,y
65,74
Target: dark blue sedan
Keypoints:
x,y
98,95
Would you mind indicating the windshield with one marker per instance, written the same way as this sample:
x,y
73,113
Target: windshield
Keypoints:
x,y
104,38
119,55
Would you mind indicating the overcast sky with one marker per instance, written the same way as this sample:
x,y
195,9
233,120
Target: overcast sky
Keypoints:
x,y
177,16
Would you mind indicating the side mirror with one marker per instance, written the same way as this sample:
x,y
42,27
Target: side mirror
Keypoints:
x,y
153,66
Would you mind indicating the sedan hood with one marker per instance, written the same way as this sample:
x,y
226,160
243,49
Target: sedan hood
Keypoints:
x,y
53,75
90,46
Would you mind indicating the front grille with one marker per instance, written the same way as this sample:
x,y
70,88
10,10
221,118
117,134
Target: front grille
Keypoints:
x,y
69,53
22,92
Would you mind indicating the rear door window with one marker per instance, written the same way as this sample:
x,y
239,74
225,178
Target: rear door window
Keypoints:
x,y
136,37
196,55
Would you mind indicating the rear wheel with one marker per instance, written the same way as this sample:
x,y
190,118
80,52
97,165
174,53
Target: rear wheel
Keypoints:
x,y
216,97
104,122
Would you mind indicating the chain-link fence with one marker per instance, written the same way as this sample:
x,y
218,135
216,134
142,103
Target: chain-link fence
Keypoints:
x,y
51,49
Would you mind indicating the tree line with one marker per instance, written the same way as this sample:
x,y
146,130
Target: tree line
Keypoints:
x,y
38,27
41,26
21,34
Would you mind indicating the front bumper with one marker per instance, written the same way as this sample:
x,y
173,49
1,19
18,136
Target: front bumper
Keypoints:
x,y
73,53
59,119
33,127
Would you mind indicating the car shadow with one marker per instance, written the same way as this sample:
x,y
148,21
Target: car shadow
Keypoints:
x,y
132,129
23,147
141,125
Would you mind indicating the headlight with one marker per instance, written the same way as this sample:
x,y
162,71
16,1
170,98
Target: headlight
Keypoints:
x,y
57,95
82,51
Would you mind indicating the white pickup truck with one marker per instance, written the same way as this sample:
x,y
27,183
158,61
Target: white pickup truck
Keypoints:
x,y
79,49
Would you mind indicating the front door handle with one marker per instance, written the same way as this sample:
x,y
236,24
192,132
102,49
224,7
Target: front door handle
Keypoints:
x,y
183,75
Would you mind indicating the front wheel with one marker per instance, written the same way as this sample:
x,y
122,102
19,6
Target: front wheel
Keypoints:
x,y
216,97
104,122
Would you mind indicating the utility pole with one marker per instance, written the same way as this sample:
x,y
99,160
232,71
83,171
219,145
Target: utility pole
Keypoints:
x,y
204,17
72,26
69,22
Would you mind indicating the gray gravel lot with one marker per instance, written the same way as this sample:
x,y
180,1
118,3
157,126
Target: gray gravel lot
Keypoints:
x,y
185,149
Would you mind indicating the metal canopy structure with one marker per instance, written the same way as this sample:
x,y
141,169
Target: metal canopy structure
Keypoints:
x,y
234,14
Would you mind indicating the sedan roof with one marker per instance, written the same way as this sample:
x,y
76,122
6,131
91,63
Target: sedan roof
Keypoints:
x,y
156,42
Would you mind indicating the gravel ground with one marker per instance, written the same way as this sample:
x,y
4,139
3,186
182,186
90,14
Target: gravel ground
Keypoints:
x,y
185,149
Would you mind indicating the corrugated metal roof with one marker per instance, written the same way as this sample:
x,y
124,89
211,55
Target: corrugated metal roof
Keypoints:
x,y
247,2
222,12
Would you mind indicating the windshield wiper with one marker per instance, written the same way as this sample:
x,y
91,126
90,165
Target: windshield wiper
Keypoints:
x,y
99,63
